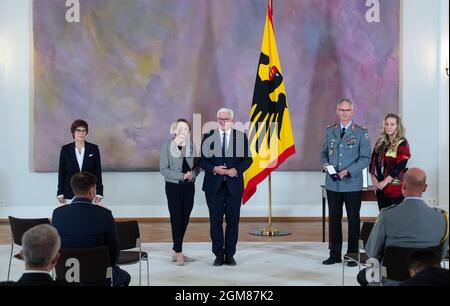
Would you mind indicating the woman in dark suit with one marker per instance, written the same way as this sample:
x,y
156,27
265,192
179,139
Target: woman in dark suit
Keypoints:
x,y
78,156
178,166
389,159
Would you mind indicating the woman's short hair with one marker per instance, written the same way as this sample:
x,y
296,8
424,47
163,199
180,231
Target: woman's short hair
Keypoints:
x,y
79,123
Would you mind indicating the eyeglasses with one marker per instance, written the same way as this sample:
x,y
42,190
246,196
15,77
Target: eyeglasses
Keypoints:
x,y
345,110
81,131
224,119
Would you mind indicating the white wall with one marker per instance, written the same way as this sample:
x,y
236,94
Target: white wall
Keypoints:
x,y
424,108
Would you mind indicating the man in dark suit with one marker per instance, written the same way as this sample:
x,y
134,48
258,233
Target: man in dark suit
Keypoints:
x,y
40,250
225,156
84,225
425,270
78,156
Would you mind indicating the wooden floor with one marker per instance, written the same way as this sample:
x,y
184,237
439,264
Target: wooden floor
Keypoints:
x,y
305,231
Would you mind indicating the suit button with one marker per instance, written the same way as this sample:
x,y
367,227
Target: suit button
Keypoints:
x,y
340,164
340,154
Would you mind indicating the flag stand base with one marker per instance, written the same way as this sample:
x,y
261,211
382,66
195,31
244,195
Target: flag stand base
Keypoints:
x,y
269,231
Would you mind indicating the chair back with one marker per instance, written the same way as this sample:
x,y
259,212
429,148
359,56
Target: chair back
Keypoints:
x,y
365,232
20,226
128,234
395,261
88,266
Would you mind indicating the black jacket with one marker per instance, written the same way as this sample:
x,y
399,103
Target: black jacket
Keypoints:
x,y
434,276
35,279
238,156
68,166
86,225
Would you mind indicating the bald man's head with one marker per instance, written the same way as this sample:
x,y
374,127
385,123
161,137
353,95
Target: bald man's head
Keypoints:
x,y
414,183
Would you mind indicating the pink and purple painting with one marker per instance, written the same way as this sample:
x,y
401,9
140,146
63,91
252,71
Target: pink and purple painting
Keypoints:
x,y
130,68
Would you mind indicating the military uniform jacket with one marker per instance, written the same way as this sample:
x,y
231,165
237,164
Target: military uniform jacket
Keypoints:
x,y
411,224
351,153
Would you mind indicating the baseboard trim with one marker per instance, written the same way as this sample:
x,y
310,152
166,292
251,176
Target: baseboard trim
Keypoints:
x,y
243,219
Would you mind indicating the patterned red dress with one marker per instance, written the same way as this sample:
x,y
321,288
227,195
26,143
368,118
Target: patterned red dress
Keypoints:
x,y
391,162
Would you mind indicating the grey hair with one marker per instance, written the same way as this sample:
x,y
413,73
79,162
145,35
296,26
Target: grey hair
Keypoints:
x,y
40,245
226,110
347,100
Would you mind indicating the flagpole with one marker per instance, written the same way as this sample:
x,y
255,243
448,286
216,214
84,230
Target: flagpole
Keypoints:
x,y
269,230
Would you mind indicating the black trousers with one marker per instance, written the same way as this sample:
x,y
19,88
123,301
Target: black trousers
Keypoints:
x,y
220,204
352,205
180,199
384,201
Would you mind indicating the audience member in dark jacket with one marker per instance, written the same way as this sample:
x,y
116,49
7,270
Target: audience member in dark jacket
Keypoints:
x,y
425,270
41,253
82,224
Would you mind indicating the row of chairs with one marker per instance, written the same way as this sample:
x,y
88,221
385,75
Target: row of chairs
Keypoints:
x,y
395,266
94,262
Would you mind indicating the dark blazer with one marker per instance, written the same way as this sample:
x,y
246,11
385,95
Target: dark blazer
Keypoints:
x,y
34,279
434,276
237,156
68,166
85,225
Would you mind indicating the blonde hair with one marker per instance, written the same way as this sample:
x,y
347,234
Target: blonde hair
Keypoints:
x,y
383,141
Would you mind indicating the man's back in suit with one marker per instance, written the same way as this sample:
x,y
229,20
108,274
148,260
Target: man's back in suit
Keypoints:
x,y
83,225
35,279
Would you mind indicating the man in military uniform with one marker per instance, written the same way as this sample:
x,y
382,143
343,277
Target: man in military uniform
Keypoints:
x,y
411,223
347,148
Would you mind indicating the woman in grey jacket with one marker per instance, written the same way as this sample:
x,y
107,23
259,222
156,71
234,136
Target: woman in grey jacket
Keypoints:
x,y
178,166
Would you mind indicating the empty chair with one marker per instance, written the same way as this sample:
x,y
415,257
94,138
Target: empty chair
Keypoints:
x,y
18,228
87,266
129,239
360,257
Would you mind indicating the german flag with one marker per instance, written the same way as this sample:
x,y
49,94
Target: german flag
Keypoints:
x,y
270,134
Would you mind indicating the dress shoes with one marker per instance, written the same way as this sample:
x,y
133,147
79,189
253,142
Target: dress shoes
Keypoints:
x,y
218,261
332,260
229,260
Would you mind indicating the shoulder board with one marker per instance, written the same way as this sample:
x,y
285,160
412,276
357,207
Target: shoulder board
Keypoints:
x,y
445,214
334,125
355,126
389,207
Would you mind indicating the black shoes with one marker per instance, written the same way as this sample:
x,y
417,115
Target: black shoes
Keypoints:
x,y
332,260
229,260
352,263
218,261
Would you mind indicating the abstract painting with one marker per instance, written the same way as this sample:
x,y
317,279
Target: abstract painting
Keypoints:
x,y
131,68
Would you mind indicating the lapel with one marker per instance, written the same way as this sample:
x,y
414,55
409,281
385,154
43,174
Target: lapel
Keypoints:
x,y
86,154
72,155
337,133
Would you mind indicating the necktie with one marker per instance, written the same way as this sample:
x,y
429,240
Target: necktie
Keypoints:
x,y
224,148
342,132
224,144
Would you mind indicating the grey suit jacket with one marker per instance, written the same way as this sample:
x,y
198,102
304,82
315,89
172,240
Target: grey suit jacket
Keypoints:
x,y
171,162
411,223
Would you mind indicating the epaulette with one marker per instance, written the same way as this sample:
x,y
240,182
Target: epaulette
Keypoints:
x,y
357,126
446,223
389,207
334,125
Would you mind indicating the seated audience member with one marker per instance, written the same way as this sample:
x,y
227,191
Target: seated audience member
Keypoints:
x,y
41,253
83,224
425,270
411,223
